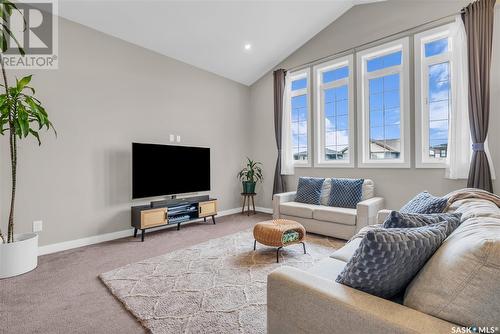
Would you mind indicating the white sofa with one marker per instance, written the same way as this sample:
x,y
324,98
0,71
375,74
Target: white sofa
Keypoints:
x,y
459,282
322,219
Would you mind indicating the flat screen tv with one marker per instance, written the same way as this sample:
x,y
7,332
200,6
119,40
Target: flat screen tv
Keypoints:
x,y
166,170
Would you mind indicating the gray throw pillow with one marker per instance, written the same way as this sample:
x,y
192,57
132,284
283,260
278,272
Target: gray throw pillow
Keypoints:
x,y
425,203
388,259
309,190
408,220
345,193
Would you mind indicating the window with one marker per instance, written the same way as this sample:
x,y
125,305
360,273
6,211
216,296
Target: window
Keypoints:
x,y
432,96
383,106
300,117
334,113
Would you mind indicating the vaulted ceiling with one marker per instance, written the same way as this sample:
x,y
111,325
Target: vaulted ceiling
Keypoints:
x,y
237,39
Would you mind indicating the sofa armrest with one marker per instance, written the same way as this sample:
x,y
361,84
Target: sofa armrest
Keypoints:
x,y
366,212
382,215
281,198
299,302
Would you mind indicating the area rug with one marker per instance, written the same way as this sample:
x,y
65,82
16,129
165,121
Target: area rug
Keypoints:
x,y
218,286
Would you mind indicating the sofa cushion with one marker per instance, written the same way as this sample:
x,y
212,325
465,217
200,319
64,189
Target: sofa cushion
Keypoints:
x,y
325,191
297,209
309,190
368,190
408,220
345,253
327,268
335,215
460,282
345,193
425,203
388,259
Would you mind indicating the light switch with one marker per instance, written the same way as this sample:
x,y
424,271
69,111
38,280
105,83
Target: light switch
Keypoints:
x,y
178,138
172,138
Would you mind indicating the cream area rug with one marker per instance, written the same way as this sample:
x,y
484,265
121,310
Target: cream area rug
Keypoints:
x,y
218,286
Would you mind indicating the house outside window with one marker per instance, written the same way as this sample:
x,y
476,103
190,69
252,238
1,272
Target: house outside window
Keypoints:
x,y
383,106
334,130
433,107
300,117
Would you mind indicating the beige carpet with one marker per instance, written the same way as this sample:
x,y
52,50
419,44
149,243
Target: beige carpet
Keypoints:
x,y
218,286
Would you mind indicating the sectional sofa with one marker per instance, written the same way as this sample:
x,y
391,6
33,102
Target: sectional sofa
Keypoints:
x,y
457,289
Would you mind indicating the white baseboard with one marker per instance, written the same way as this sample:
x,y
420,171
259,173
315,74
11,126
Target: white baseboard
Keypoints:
x,y
65,245
264,210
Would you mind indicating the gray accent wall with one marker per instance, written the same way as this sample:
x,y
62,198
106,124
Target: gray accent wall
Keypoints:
x,y
106,94
364,24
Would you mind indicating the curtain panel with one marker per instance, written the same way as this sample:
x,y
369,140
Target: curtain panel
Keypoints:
x,y
478,21
459,147
279,185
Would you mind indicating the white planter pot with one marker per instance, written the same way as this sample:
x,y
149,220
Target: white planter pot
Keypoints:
x,y
20,256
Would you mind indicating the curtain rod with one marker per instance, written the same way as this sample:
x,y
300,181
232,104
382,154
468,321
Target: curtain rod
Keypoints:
x,y
356,48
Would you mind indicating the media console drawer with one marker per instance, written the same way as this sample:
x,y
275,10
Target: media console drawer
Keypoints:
x,y
208,208
153,217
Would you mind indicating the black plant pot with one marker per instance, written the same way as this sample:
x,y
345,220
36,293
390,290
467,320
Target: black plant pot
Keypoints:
x,y
248,187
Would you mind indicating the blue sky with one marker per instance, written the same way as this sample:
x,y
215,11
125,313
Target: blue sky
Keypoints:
x,y
384,102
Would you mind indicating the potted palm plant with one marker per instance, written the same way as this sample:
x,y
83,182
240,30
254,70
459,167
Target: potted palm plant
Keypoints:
x,y
21,115
250,175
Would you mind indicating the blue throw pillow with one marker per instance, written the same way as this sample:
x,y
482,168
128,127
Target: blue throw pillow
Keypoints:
x,y
387,259
309,190
345,193
425,203
409,220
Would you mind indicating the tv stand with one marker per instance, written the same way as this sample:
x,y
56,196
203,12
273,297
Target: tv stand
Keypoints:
x,y
172,212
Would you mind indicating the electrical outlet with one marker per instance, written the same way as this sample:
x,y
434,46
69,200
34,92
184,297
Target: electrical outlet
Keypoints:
x,y
172,138
37,226
178,138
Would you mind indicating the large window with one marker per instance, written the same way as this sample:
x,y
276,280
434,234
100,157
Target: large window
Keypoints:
x,y
383,106
334,113
300,117
432,96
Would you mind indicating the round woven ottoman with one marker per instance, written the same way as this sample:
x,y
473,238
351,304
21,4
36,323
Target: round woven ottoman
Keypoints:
x,y
271,232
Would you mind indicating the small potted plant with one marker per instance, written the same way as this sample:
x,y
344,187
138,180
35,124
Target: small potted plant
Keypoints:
x,y
250,175
21,115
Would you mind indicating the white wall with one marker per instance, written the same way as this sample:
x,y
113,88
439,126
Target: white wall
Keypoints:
x,y
364,24
106,94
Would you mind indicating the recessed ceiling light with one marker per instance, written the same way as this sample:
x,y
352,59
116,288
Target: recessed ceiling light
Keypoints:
x,y
248,46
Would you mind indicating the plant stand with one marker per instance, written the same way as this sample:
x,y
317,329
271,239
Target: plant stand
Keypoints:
x,y
246,199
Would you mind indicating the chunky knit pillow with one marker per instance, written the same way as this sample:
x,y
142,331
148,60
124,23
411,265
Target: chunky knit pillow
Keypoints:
x,y
309,190
425,203
408,220
387,259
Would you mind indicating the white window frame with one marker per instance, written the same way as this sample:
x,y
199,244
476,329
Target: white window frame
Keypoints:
x,y
363,77
296,75
422,91
319,109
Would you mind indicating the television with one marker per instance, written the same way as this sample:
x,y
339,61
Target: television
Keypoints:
x,y
167,170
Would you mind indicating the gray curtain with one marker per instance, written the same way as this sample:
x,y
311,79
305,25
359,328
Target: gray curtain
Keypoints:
x,y
478,21
279,89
